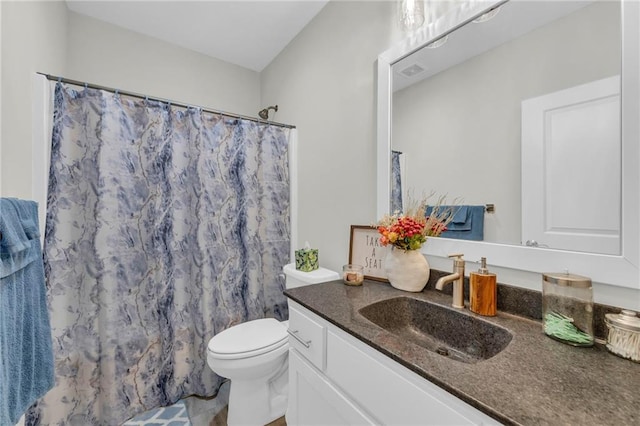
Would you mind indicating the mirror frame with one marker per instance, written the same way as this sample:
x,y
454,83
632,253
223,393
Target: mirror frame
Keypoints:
x,y
622,270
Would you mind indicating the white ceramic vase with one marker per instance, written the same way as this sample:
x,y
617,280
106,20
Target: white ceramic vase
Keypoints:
x,y
407,270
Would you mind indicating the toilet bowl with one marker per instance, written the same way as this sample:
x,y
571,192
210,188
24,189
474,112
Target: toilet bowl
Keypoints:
x,y
254,356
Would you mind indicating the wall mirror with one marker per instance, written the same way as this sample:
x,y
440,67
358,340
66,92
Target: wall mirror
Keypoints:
x,y
533,107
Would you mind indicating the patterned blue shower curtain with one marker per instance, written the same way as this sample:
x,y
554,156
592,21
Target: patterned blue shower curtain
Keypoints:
x,y
396,183
165,226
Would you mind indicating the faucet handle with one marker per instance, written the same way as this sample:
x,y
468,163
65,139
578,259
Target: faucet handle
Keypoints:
x,y
458,261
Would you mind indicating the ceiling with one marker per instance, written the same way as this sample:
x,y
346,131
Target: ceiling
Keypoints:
x,y
513,20
243,32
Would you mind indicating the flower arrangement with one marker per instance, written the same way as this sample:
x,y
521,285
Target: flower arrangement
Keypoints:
x,y
409,231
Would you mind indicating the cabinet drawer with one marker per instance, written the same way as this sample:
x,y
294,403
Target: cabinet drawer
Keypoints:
x,y
307,335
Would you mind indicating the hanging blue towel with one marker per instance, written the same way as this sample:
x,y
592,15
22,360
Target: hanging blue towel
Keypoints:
x,y
26,356
467,222
461,220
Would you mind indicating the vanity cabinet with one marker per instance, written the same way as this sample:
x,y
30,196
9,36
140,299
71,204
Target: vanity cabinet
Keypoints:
x,y
350,383
314,400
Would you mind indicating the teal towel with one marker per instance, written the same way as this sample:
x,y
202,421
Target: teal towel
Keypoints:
x,y
26,356
461,220
18,232
467,222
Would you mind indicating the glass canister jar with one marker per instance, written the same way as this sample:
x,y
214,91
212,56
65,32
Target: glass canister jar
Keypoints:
x,y
623,338
567,308
353,274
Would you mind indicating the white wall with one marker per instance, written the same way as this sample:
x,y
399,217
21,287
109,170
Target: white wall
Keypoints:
x,y
45,37
104,54
324,83
33,39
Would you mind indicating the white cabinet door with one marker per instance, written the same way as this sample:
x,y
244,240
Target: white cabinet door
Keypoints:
x,y
313,400
571,174
390,393
360,386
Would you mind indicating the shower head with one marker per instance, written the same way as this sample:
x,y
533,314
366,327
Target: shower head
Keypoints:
x,y
264,114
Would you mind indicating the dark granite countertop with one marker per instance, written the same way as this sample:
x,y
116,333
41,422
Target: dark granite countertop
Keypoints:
x,y
535,380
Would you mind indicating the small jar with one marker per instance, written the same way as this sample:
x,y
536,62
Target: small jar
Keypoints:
x,y
623,338
353,274
567,308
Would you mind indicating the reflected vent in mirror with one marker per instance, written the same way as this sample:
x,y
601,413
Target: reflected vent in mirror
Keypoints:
x,y
412,70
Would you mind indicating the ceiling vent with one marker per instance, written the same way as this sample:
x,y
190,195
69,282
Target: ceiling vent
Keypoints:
x,y
412,70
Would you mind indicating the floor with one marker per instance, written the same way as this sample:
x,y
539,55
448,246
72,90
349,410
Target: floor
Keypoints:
x,y
175,415
221,420
192,411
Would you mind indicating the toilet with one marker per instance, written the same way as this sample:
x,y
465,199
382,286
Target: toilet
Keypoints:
x,y
254,356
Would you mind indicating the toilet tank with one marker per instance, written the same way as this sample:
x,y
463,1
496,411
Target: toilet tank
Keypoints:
x,y
296,278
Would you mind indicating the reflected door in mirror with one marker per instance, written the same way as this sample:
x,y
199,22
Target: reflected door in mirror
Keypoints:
x,y
571,177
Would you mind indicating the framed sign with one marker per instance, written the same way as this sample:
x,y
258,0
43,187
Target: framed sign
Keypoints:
x,y
365,250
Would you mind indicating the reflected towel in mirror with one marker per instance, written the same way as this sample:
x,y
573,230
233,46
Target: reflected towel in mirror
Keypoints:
x,y
467,222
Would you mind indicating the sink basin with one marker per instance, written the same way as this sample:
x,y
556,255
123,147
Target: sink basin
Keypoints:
x,y
442,330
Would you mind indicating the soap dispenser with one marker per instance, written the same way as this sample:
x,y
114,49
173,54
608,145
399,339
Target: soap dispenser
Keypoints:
x,y
483,291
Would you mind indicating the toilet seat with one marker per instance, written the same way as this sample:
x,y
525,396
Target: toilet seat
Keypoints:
x,y
248,339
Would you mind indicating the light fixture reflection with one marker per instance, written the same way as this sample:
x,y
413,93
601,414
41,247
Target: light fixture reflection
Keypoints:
x,y
439,42
411,14
487,16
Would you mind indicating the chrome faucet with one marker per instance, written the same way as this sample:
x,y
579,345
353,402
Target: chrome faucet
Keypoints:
x,y
457,278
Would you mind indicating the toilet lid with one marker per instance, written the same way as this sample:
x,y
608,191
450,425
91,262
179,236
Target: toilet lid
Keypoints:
x,y
249,338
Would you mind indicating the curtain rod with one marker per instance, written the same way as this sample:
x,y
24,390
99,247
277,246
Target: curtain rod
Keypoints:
x,y
178,104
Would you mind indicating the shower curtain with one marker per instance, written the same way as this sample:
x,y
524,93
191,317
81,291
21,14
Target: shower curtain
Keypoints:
x,y
164,227
396,183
